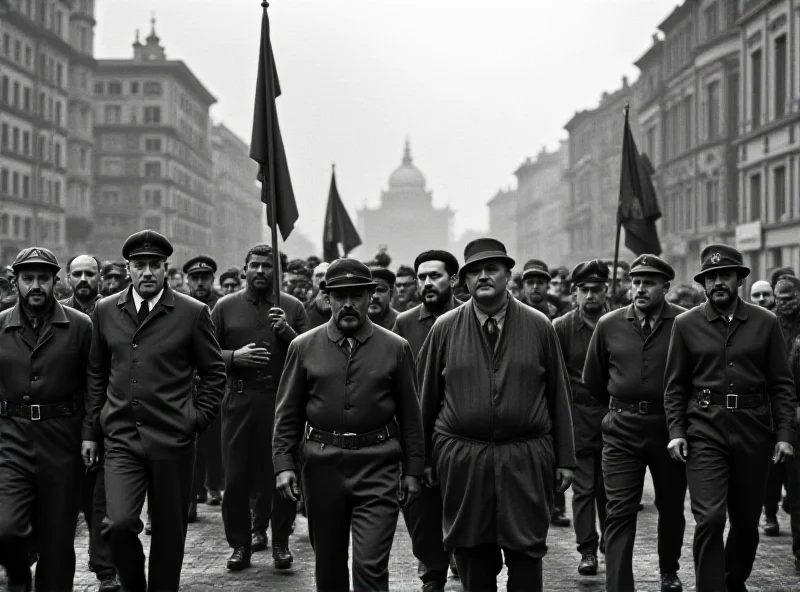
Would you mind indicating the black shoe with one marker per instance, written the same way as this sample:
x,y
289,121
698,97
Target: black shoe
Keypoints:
x,y
202,497
109,584
214,498
558,517
240,559
19,587
192,512
671,583
281,555
454,568
588,565
260,541
433,587
771,526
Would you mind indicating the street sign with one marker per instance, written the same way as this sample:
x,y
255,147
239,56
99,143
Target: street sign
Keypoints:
x,y
749,236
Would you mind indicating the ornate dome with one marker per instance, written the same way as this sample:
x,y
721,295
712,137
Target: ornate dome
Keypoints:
x,y
407,175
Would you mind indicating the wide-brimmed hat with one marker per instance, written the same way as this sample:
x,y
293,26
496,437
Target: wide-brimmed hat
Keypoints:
x,y
482,249
36,256
651,264
347,273
719,256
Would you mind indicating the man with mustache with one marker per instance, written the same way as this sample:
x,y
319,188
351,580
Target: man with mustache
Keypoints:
x,y
45,350
352,384
380,305
624,371
761,294
729,394
83,275
437,273
199,272
318,309
254,333
148,343
115,277
497,424
405,294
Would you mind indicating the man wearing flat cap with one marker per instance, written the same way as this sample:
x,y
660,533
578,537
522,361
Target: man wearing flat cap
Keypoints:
x,y
45,351
148,343
624,371
497,424
199,272
255,334
114,277
347,404
380,306
535,283
437,273
729,395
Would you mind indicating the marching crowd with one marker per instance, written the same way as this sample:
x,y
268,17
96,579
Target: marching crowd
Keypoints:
x,y
467,397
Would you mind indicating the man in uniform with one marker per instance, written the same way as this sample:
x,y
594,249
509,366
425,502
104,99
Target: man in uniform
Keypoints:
x,y
405,294
199,273
254,333
729,392
624,371
148,343
436,272
318,309
497,425
45,350
761,294
83,275
353,383
115,277
230,280
380,306
574,330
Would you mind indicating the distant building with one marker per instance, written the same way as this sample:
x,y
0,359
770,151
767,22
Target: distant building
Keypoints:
x,y
237,223
503,220
153,167
406,221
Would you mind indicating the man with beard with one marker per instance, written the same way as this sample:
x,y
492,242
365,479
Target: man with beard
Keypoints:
x,y
254,333
624,371
574,331
779,273
148,343
497,424
83,275
380,305
318,308
761,294
297,280
436,273
405,285
199,273
728,393
115,277
348,398
230,281
45,350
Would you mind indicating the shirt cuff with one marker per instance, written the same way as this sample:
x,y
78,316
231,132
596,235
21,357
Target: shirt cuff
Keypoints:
x,y
786,435
414,467
283,462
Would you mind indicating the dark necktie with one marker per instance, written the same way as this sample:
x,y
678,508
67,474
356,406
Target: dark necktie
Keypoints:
x,y
492,332
647,327
347,346
144,310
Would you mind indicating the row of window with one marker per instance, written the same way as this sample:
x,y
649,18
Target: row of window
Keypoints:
x,y
111,196
776,191
20,96
19,185
50,69
115,88
112,115
18,141
19,227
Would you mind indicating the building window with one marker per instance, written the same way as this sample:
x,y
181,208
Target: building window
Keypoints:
x,y
58,114
152,89
57,193
152,144
152,169
782,208
26,99
113,114
711,17
60,75
4,89
781,76
152,198
152,114
15,95
755,89
58,155
755,197
110,197
99,88
26,143
134,88
111,167
4,180
712,109
15,139
114,88
26,187
712,202
4,137
688,209
15,184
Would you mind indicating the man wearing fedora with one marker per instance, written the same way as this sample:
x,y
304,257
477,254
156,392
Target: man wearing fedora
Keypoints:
x,y
497,423
45,351
729,395
352,383
624,371
148,343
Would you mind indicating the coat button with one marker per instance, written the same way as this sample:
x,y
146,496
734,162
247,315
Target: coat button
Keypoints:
x,y
135,345
135,381
348,382
730,364
135,402
35,378
139,423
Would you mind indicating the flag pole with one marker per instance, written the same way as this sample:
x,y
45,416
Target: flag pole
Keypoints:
x,y
619,227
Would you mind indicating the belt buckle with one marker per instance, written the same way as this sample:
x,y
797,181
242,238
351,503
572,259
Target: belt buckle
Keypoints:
x,y
732,397
36,413
643,407
342,439
705,399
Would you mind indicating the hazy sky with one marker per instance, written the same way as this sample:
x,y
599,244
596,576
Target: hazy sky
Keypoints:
x,y
476,85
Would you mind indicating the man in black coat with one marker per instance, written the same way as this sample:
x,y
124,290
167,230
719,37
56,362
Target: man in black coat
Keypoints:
x,y
147,344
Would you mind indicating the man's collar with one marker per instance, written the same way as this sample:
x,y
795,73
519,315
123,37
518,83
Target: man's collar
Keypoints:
x,y
56,315
425,312
251,296
335,334
137,299
668,311
166,297
500,314
712,314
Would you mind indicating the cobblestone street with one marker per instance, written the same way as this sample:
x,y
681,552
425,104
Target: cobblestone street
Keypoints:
x,y
207,552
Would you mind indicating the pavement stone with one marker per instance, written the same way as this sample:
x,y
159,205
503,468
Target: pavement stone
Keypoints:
x,y
207,553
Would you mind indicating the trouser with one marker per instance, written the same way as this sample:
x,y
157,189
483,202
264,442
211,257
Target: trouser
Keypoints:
x,y
632,443
777,477
559,501
40,479
93,506
168,486
247,420
793,492
208,462
726,468
424,522
280,513
588,501
352,492
479,567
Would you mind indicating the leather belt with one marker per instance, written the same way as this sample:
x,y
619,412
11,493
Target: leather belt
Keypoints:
x,y
351,441
706,397
640,407
37,412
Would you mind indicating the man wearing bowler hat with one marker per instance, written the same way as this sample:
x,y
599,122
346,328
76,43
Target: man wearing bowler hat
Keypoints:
x,y
148,342
497,423
44,351
729,395
624,371
352,383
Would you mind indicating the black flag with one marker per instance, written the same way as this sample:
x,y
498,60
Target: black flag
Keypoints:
x,y
339,228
